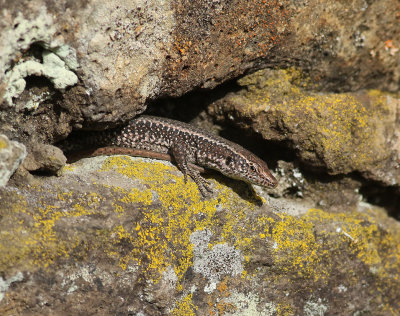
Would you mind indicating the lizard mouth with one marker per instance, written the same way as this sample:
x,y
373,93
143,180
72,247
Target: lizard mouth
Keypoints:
x,y
273,183
270,180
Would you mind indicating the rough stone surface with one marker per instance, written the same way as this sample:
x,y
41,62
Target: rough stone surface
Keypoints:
x,y
120,235
339,133
45,158
123,236
12,154
86,64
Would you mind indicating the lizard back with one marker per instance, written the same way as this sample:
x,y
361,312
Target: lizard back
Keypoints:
x,y
188,144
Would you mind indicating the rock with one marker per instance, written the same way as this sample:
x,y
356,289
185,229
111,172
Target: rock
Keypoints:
x,y
12,154
127,236
339,133
45,158
85,65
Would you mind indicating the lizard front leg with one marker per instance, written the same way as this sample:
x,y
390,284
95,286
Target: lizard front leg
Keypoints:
x,y
180,155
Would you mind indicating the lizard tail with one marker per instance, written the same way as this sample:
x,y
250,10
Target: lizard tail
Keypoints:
x,y
87,140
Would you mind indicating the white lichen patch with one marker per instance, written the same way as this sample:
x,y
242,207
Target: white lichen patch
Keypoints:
x,y
58,60
216,262
169,277
36,99
5,284
315,308
52,67
87,273
249,305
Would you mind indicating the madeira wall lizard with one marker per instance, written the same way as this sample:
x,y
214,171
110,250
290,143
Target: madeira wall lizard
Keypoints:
x,y
189,146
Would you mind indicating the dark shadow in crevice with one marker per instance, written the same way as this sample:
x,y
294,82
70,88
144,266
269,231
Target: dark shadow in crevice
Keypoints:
x,y
37,82
190,105
269,151
383,196
241,188
36,50
43,173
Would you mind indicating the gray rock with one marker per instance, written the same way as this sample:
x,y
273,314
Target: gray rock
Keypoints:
x,y
126,235
12,153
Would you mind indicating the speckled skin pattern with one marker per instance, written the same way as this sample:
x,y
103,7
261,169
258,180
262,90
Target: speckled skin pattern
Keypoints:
x,y
188,144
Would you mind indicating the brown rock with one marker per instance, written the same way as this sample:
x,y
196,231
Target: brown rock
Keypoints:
x,y
45,158
337,132
81,63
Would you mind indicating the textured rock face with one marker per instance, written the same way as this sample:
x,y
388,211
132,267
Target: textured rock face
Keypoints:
x,y
119,235
11,155
123,236
108,60
338,132
100,63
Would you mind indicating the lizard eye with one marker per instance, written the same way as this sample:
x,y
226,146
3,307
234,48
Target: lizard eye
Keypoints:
x,y
228,160
252,168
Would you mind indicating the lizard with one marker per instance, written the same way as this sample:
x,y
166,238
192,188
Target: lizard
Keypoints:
x,y
188,146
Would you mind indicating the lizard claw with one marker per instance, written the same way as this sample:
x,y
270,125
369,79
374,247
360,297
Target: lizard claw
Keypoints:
x,y
204,186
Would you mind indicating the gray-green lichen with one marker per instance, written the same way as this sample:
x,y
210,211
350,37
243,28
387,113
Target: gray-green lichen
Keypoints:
x,y
53,68
5,284
315,308
214,263
249,305
22,33
58,60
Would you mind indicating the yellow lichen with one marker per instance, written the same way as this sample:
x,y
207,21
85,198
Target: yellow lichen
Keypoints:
x,y
66,168
167,211
171,224
185,307
3,144
285,310
345,129
296,247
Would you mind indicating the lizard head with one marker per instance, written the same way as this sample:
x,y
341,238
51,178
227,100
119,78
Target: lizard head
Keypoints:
x,y
258,172
246,166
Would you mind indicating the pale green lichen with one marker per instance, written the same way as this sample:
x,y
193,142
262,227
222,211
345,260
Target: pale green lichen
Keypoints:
x,y
52,67
5,284
214,262
22,33
246,305
315,308
59,60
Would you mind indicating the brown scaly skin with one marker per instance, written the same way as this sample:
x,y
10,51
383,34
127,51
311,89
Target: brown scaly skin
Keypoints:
x,y
188,145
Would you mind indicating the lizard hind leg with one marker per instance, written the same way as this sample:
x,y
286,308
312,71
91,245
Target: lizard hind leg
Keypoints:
x,y
180,156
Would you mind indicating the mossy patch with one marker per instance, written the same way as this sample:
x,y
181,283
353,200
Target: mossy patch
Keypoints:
x,y
347,131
